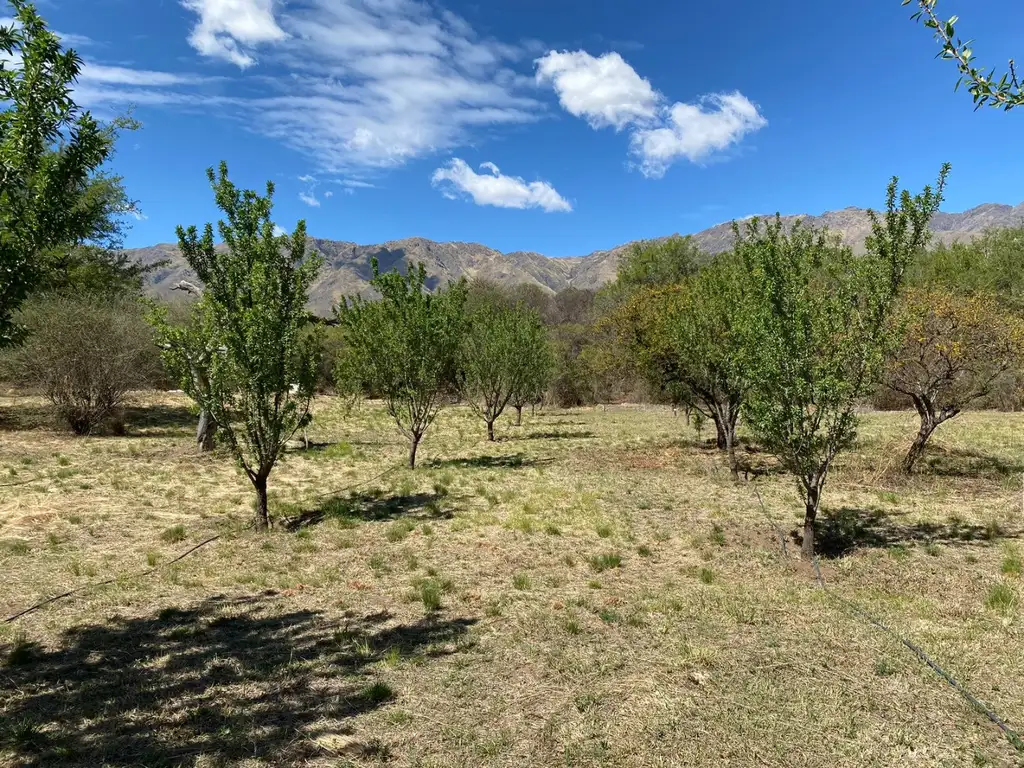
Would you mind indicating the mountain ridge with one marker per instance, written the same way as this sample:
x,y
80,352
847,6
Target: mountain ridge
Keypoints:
x,y
347,265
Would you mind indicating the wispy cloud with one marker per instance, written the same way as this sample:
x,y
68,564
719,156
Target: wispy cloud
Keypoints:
x,y
607,92
494,188
366,83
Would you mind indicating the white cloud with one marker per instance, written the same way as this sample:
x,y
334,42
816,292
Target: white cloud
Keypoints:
x,y
696,131
309,198
328,195
603,90
231,29
493,188
102,74
607,92
361,84
307,179
279,230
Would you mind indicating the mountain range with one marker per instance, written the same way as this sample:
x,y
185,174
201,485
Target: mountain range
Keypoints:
x,y
347,269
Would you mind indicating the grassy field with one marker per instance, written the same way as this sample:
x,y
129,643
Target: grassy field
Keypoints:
x,y
591,590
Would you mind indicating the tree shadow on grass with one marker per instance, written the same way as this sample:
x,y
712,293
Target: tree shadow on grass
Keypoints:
x,y
372,505
229,679
845,530
156,420
558,434
510,461
159,420
959,462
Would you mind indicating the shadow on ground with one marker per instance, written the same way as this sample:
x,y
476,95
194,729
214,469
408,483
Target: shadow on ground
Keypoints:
x,y
510,461
157,420
228,679
559,434
373,505
845,530
958,462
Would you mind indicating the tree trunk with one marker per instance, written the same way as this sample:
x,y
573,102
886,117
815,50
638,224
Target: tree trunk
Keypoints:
x,y
928,425
730,448
519,415
490,430
262,509
412,451
206,430
810,513
720,440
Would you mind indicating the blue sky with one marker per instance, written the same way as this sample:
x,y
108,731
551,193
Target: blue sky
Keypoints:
x,y
560,126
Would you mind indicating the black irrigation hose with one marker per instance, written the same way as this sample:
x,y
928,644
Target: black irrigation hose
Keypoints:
x,y
140,574
856,610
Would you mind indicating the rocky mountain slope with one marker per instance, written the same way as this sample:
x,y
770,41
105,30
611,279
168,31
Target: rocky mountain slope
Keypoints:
x,y
347,265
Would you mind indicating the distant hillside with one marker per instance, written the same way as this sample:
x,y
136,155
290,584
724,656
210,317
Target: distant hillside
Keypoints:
x,y
347,265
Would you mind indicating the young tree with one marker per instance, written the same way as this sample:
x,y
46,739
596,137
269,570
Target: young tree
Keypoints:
x,y
48,150
538,368
497,354
815,332
985,89
954,350
405,347
253,321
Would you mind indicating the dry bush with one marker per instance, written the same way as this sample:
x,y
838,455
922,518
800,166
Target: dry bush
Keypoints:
x,y
85,354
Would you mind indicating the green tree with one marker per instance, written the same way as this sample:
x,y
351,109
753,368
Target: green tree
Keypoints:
x,y
538,369
405,347
651,263
500,346
815,332
703,347
49,149
252,319
1001,92
953,350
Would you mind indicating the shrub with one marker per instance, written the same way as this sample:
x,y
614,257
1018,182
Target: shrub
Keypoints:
x,y
85,354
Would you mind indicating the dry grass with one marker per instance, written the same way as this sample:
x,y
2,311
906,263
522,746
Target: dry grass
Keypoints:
x,y
590,591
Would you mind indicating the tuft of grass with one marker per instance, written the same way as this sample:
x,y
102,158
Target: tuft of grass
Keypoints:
x,y
377,693
379,564
173,535
608,616
22,652
1001,598
552,530
573,627
521,581
606,561
706,576
430,589
152,558
1011,565
604,530
14,547
717,535
932,549
398,530
644,551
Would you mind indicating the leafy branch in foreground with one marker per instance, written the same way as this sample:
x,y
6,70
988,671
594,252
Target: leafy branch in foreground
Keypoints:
x,y
1003,92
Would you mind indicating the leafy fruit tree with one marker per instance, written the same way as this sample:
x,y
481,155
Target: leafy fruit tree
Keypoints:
x,y
701,355
252,318
1003,92
538,370
954,350
404,347
501,344
815,332
48,150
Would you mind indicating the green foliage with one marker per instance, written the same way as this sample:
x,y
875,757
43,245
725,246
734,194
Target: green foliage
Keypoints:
x,y
252,324
985,89
49,149
654,263
85,354
504,355
405,347
814,331
986,265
